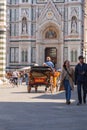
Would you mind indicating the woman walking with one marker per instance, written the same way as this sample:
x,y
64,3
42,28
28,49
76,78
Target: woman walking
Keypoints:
x,y
67,79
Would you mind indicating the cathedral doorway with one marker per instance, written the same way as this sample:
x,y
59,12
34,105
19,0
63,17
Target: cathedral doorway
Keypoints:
x,y
52,52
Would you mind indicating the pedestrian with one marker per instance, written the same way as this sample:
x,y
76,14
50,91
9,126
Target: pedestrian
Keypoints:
x,y
81,79
67,80
20,78
15,77
26,76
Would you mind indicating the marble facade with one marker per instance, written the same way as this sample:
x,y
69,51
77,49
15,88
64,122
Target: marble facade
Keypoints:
x,y
40,28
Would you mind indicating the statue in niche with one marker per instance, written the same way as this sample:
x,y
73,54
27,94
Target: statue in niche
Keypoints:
x,y
74,25
50,34
24,25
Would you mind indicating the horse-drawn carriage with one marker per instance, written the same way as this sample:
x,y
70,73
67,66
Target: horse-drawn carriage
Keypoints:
x,y
43,75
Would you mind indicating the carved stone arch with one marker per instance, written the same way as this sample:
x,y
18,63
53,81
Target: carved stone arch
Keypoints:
x,y
43,28
52,10
50,33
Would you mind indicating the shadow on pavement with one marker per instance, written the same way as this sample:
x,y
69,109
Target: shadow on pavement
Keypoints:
x,y
41,116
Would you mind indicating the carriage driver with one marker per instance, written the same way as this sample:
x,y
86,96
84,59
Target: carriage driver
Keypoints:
x,y
49,62
51,65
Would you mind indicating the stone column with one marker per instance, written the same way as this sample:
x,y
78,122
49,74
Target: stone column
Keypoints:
x,y
38,53
19,53
29,54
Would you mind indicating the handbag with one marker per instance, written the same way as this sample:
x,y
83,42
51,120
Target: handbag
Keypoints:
x,y
61,88
69,74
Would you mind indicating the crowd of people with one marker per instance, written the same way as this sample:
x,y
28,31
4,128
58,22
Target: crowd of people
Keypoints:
x,y
17,77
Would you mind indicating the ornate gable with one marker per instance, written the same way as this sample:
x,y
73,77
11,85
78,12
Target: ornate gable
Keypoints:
x,y
74,12
49,13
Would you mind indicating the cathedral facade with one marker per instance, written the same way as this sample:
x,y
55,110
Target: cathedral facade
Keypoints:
x,y
40,28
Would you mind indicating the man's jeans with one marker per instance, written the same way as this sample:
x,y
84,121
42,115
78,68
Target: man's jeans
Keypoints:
x,y
81,86
67,90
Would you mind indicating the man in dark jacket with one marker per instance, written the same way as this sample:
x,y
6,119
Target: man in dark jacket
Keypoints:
x,y
80,79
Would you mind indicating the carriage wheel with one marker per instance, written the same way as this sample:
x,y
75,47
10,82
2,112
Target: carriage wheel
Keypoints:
x,y
29,89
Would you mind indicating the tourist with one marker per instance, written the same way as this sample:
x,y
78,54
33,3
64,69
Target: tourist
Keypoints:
x,y
81,79
67,80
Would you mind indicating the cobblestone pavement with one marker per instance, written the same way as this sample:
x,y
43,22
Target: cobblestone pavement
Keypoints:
x,y
20,110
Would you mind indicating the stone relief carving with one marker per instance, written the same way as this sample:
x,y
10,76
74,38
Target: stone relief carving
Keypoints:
x,y
24,25
74,25
74,16
25,12
74,11
50,34
49,14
